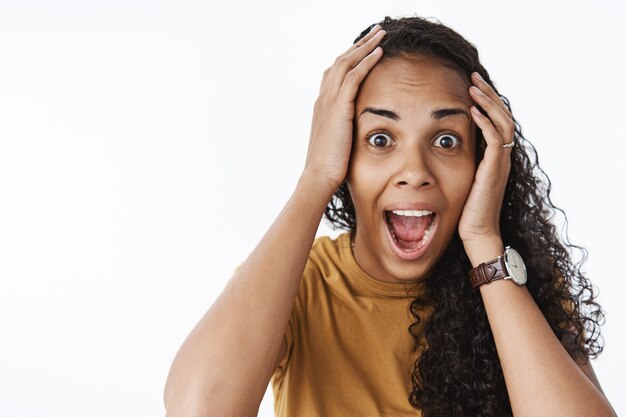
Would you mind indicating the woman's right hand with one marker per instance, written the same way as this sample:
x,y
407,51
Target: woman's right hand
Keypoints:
x,y
331,130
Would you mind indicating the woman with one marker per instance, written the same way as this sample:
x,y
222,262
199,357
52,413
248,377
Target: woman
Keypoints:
x,y
414,152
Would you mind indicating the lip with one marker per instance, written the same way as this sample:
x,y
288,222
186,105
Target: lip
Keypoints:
x,y
419,252
405,205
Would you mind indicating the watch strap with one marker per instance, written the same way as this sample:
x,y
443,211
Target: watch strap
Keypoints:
x,y
488,272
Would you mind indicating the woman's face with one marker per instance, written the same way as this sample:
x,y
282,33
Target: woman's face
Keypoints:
x,y
414,150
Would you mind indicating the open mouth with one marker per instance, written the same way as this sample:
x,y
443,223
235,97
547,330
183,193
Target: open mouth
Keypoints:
x,y
410,231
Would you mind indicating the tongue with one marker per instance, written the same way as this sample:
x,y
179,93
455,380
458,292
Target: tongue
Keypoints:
x,y
408,228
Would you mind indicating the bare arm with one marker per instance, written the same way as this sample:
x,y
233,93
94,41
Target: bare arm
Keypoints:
x,y
541,378
226,362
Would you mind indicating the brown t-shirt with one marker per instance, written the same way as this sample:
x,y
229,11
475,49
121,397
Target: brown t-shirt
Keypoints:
x,y
349,351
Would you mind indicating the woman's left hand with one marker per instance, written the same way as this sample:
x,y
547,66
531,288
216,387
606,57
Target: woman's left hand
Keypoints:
x,y
480,220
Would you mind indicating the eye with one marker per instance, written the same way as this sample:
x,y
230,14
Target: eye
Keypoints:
x,y
448,141
379,140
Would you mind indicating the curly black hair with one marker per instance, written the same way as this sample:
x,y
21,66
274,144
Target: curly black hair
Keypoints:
x,y
459,372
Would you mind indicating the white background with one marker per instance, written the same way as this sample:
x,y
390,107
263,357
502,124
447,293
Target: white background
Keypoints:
x,y
145,148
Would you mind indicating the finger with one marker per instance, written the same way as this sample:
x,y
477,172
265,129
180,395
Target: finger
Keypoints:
x,y
373,31
494,152
347,62
490,92
364,41
501,120
355,76
495,166
365,38
324,77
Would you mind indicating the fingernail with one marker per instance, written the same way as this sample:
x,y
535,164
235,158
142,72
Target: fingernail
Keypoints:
x,y
477,90
373,28
478,77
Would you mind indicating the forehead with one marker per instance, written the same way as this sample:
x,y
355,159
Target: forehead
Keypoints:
x,y
419,82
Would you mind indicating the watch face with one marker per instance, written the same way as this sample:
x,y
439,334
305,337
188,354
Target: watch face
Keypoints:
x,y
515,265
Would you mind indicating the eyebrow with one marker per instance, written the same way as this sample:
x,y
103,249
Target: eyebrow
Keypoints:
x,y
435,114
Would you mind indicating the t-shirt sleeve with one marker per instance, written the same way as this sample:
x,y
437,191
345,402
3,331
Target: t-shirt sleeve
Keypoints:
x,y
295,318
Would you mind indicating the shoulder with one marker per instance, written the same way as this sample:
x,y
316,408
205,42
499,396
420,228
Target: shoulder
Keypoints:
x,y
327,266
328,251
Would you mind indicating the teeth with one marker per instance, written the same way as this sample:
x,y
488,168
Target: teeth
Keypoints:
x,y
416,213
428,231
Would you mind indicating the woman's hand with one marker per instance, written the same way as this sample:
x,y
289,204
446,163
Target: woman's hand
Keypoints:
x,y
480,220
331,131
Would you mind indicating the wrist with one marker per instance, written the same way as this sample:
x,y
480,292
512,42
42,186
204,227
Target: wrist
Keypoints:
x,y
483,250
316,187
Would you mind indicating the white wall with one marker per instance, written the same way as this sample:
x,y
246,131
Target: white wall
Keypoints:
x,y
145,147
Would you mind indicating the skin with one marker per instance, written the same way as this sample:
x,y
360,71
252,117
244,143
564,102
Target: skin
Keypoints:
x,y
415,164
541,377
218,371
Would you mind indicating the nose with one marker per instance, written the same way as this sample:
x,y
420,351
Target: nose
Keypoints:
x,y
413,171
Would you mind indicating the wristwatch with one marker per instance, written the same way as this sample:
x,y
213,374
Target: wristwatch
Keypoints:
x,y
508,266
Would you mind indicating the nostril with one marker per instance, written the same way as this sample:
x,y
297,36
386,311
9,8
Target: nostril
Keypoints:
x,y
414,179
425,183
